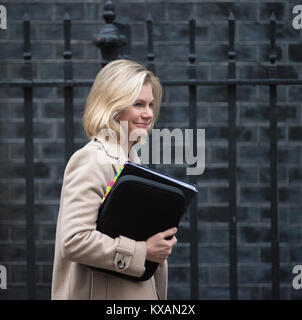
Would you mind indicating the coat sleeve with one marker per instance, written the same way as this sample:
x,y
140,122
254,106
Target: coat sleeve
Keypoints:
x,y
161,280
85,180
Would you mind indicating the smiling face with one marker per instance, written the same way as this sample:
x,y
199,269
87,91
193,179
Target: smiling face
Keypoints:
x,y
140,114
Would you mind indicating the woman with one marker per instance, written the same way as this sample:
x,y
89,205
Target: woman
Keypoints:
x,y
123,103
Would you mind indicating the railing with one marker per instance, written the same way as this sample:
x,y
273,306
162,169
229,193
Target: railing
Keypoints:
x,y
109,47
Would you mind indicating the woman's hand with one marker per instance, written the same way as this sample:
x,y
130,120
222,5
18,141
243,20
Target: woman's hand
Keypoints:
x,y
158,248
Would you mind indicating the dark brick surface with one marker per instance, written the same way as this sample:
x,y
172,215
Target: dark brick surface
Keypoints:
x,y
171,61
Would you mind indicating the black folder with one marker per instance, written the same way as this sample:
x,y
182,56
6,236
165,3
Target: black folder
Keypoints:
x,y
139,203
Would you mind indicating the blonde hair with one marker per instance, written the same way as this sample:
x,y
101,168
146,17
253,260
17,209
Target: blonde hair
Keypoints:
x,y
115,88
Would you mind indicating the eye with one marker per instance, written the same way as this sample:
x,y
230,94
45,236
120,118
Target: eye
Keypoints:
x,y
138,104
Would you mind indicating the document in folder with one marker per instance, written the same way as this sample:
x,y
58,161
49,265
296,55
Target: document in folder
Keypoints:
x,y
139,203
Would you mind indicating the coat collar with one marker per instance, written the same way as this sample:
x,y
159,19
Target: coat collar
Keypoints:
x,y
117,154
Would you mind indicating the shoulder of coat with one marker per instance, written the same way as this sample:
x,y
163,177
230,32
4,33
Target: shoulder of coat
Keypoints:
x,y
97,152
88,155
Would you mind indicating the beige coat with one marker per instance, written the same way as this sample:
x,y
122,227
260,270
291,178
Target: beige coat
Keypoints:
x,y
79,246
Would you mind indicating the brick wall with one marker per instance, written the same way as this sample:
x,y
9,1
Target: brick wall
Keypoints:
x,y
171,51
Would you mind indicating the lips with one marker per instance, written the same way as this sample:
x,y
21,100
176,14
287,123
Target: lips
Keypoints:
x,y
142,125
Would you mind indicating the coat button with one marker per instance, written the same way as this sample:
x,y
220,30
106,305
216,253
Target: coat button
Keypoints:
x,y
121,264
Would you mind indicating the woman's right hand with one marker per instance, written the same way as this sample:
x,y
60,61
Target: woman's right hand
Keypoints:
x,y
159,248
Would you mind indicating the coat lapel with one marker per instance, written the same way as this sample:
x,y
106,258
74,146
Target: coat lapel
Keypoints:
x,y
117,154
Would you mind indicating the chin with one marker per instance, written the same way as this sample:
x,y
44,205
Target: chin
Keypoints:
x,y
137,132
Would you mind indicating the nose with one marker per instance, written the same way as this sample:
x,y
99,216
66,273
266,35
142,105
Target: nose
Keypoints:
x,y
147,113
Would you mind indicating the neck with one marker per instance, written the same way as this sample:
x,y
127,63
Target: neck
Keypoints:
x,y
126,147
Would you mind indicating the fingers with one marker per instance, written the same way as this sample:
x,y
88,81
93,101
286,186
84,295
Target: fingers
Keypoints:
x,y
171,243
174,240
158,247
169,232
